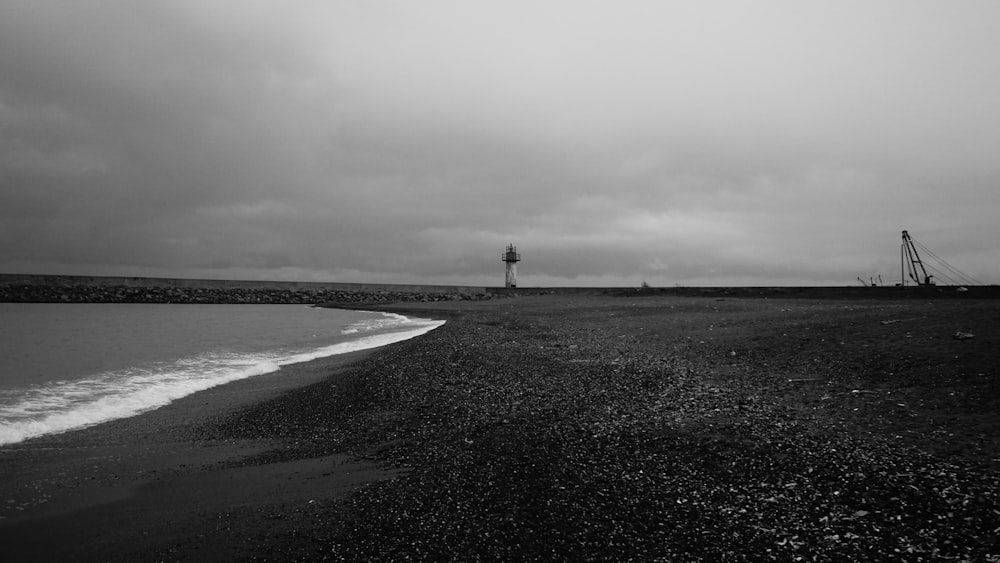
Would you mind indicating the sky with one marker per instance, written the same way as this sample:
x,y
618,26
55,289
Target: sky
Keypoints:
x,y
672,143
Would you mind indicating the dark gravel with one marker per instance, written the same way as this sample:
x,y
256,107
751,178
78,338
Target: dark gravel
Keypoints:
x,y
656,428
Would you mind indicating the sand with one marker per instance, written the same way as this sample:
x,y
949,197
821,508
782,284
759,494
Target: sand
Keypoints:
x,y
132,488
560,427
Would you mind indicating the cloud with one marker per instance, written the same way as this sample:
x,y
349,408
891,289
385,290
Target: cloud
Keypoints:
x,y
771,143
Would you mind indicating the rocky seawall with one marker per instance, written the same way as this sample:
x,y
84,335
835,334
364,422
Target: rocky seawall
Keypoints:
x,y
86,293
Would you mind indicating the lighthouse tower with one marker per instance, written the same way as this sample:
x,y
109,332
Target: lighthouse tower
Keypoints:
x,y
511,257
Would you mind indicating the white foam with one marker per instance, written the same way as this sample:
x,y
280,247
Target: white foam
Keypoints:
x,y
387,321
421,326
69,405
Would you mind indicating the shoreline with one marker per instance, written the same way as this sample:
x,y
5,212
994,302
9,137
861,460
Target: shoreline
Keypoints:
x,y
569,427
73,485
116,396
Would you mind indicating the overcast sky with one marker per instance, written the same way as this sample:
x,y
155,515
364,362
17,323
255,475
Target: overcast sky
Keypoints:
x,y
676,143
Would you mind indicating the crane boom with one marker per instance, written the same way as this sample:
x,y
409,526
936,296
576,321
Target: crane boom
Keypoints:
x,y
911,258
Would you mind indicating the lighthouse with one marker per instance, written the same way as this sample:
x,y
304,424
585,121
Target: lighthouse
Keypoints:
x,y
511,257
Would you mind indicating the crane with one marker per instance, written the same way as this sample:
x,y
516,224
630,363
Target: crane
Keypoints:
x,y
941,269
912,259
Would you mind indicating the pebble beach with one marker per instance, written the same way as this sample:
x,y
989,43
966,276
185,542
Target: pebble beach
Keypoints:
x,y
571,427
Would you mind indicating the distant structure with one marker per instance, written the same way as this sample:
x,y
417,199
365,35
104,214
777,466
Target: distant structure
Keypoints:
x,y
917,268
511,257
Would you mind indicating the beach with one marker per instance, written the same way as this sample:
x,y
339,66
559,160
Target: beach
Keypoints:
x,y
585,426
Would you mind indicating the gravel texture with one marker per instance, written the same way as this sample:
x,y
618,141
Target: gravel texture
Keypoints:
x,y
641,426
650,427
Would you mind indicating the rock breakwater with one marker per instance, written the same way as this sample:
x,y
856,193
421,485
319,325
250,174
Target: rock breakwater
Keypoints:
x,y
33,293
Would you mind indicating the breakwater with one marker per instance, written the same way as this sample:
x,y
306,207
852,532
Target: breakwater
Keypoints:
x,y
92,289
97,289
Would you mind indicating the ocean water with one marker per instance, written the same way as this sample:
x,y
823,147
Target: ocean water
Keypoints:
x,y
67,366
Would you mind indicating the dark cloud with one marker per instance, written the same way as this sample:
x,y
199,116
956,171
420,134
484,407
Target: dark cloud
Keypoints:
x,y
394,142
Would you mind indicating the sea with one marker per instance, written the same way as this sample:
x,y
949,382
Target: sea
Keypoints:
x,y
65,366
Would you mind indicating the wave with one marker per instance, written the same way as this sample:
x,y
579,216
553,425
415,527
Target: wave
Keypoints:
x,y
69,405
386,321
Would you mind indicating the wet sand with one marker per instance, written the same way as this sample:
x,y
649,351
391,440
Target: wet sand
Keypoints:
x,y
146,486
560,427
